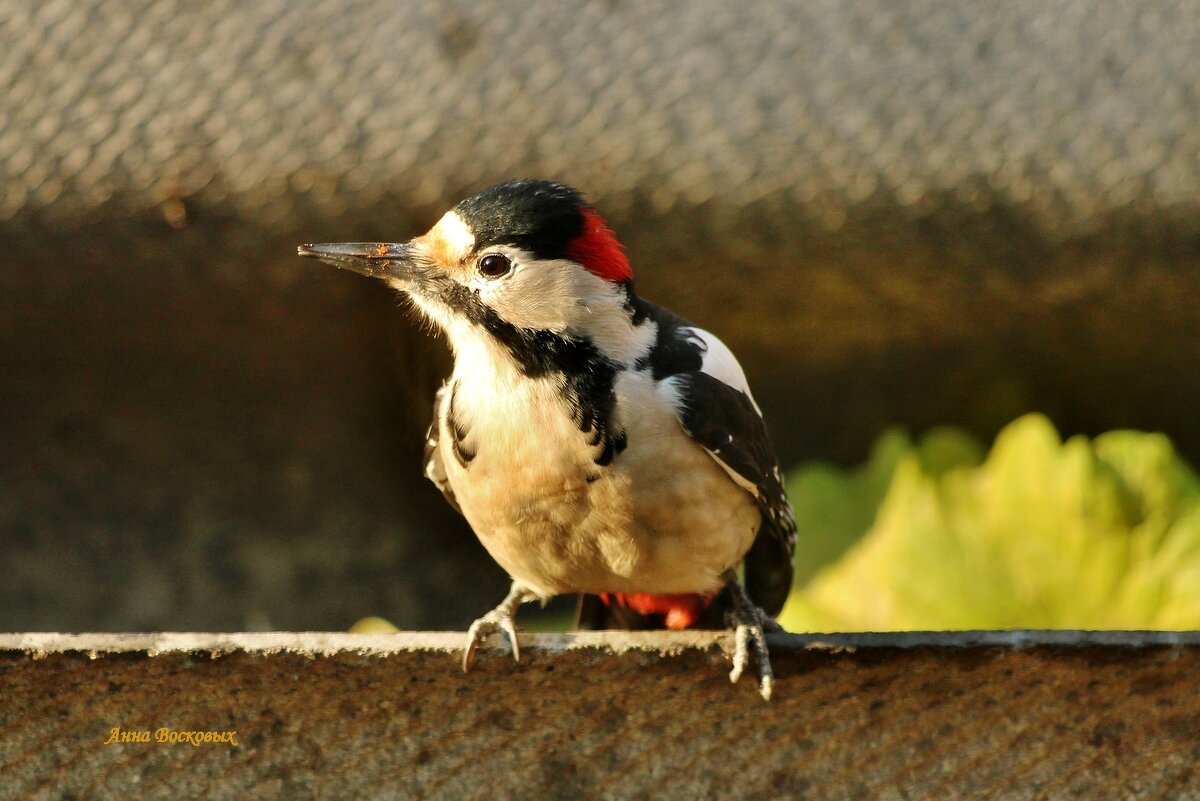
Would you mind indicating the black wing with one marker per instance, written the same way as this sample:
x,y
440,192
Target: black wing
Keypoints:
x,y
726,422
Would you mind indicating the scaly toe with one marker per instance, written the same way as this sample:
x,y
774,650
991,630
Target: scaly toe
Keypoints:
x,y
741,652
750,634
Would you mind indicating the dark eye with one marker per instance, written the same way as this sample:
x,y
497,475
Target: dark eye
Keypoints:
x,y
494,265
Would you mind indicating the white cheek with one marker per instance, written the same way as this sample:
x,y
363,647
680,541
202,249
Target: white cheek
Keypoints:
x,y
535,294
562,297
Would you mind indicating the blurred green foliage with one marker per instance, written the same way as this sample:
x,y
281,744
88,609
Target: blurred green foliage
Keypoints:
x,y
1040,534
835,507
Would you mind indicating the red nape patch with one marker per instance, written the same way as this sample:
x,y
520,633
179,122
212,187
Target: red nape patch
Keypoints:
x,y
678,611
598,250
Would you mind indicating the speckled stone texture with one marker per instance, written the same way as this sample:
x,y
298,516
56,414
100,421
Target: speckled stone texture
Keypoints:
x,y
1004,715
921,213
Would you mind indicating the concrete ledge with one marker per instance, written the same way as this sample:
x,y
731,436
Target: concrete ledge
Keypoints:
x,y
1005,715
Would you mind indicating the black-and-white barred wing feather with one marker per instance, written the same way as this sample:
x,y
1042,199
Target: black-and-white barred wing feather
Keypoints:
x,y
435,470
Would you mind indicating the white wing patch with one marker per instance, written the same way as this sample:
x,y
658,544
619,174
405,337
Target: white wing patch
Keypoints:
x,y
721,364
738,478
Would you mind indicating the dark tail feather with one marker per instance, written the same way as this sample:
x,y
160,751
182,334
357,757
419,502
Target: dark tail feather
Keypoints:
x,y
768,573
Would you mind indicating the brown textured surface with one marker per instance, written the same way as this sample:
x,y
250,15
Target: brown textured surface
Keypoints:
x,y
1004,715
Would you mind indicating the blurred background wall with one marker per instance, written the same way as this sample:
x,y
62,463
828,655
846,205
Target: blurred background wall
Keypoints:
x,y
908,213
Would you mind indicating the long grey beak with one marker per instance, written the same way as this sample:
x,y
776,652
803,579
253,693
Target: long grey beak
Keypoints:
x,y
376,259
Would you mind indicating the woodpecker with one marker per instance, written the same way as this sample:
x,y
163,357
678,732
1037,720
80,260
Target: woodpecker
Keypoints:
x,y
596,443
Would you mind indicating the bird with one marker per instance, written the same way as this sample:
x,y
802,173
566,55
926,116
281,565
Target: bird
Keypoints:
x,y
596,443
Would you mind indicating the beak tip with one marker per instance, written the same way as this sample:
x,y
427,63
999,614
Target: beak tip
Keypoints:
x,y
374,259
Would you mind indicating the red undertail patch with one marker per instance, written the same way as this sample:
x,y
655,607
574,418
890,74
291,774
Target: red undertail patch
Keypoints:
x,y
598,249
678,611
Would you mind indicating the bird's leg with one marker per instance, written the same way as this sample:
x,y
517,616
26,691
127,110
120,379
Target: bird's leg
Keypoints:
x,y
499,619
751,624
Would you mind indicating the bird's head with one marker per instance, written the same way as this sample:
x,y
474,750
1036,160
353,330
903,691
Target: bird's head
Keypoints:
x,y
520,258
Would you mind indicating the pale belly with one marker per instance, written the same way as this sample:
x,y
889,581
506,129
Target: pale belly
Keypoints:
x,y
664,517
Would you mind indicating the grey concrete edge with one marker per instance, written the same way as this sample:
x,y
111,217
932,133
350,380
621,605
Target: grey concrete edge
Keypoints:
x,y
322,643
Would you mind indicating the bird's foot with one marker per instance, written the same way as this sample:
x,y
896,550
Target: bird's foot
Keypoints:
x,y
751,625
501,619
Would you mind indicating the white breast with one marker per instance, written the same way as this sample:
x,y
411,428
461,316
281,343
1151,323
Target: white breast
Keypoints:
x,y
662,518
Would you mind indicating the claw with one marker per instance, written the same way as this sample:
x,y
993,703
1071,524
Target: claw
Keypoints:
x,y
510,629
499,619
752,624
473,636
